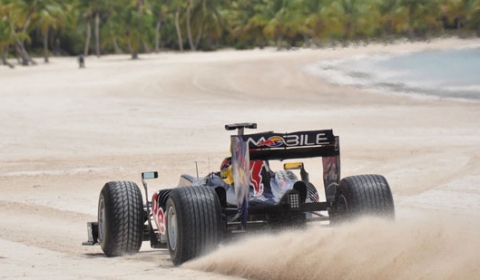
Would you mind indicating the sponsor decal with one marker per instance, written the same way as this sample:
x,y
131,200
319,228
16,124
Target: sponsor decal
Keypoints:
x,y
274,141
290,140
256,176
158,214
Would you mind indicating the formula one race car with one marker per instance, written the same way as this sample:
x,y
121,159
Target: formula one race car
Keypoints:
x,y
246,194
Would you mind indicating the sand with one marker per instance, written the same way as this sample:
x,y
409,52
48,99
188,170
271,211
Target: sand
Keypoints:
x,y
66,131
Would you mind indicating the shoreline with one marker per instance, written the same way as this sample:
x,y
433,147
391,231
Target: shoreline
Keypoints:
x,y
398,47
361,71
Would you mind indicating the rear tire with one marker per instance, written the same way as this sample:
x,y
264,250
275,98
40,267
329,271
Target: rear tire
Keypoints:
x,y
362,195
120,218
194,222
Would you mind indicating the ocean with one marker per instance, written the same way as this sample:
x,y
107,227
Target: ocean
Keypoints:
x,y
446,73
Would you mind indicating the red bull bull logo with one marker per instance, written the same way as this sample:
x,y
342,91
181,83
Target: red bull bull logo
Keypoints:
x,y
274,141
256,178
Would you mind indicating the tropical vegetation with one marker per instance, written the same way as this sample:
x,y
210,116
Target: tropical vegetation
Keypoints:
x,y
98,27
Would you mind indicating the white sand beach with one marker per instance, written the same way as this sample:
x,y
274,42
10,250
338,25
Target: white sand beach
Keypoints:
x,y
66,131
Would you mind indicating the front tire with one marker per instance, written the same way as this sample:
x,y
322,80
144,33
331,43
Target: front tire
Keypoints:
x,y
362,195
120,218
194,222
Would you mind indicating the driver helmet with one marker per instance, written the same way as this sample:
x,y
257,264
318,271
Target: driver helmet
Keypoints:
x,y
226,170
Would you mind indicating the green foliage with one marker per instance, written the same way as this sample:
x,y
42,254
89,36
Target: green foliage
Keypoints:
x,y
141,25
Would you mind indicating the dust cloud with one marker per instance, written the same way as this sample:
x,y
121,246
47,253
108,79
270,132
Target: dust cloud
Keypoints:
x,y
426,248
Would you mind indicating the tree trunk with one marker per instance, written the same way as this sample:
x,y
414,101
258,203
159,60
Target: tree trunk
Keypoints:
x,y
189,31
348,31
157,34
23,53
21,44
17,54
45,46
33,62
278,39
133,51
146,48
199,36
117,49
97,34
20,50
139,11
115,43
411,32
179,32
4,58
87,40
388,31
130,48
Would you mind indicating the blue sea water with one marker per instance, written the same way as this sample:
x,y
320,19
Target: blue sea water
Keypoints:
x,y
447,73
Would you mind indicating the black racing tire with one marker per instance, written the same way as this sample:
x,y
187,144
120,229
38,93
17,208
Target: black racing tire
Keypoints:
x,y
120,218
362,195
194,222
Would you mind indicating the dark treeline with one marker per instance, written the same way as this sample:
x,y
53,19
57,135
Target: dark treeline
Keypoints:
x,y
72,27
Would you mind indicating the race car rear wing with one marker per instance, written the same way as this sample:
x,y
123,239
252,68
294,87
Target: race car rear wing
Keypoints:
x,y
278,146
302,144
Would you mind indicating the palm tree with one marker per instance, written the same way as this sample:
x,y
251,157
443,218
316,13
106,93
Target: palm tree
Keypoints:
x,y
177,6
474,21
160,10
114,29
92,10
87,13
427,18
460,11
275,11
5,41
130,24
282,19
356,17
314,12
292,21
189,4
246,21
50,16
392,17
7,36
208,19
110,33
139,6
413,7
23,14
